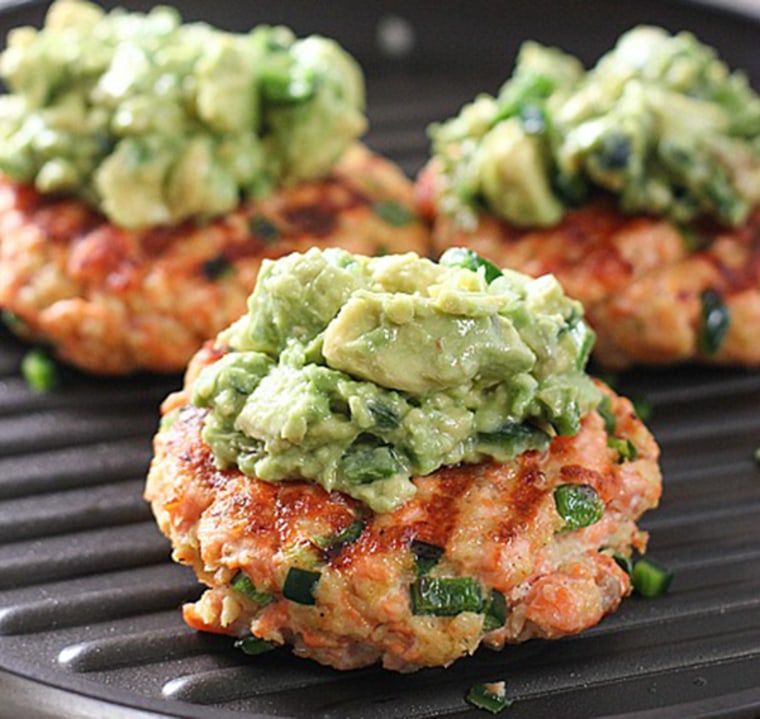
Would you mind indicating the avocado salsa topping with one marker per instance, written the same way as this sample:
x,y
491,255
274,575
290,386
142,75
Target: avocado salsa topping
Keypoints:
x,y
359,373
155,122
660,122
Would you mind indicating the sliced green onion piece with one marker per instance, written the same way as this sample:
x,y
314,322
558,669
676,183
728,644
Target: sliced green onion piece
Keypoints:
x,y
300,585
491,696
624,447
714,322
496,611
651,579
39,370
469,260
242,583
426,555
578,504
643,409
254,645
262,228
446,596
392,212
216,267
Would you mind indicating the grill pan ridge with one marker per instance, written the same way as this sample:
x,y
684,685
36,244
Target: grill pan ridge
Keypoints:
x,y
89,620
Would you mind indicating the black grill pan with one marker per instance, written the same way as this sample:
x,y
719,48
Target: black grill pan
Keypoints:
x,y
89,620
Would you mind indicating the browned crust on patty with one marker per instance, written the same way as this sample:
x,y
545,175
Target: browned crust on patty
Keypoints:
x,y
497,523
112,301
640,282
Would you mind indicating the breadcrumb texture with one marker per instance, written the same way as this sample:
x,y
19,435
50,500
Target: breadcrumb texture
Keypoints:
x,y
639,278
497,523
112,301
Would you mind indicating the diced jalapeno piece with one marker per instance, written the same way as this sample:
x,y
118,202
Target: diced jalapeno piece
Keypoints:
x,y
426,556
242,583
254,645
446,596
496,611
469,260
300,585
384,416
578,504
714,322
392,212
362,465
489,696
651,579
624,447
604,408
625,563
39,370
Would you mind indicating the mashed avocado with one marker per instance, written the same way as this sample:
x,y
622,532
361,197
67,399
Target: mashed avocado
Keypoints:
x,y
660,122
155,122
359,373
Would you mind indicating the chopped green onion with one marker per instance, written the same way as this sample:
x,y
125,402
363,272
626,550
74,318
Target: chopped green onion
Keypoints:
x,y
426,555
242,583
491,696
651,579
40,370
604,409
346,535
714,322
394,213
446,596
496,611
624,447
469,260
254,645
578,504
300,585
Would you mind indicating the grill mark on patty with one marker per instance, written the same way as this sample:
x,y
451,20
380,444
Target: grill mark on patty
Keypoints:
x,y
526,494
320,218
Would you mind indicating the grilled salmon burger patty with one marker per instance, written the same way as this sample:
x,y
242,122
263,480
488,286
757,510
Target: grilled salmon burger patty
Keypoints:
x,y
636,183
112,300
147,166
509,535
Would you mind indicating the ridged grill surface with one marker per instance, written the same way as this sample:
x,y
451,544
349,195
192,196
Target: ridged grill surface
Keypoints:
x,y
89,599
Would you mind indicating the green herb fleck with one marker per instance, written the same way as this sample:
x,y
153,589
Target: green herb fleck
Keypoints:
x,y
469,260
262,228
216,267
394,213
39,370
496,611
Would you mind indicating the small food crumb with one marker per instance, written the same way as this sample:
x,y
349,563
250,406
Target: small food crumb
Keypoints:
x,y
491,696
39,370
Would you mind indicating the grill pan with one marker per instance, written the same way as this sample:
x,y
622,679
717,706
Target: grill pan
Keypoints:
x,y
89,620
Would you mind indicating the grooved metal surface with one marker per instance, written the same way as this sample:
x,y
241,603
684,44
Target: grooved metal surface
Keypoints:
x,y
89,619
